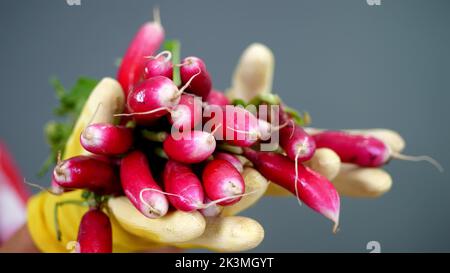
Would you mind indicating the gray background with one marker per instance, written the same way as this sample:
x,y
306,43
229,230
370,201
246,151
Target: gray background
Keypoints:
x,y
349,64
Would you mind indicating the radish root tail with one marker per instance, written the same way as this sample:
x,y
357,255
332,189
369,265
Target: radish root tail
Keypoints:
x,y
426,158
143,113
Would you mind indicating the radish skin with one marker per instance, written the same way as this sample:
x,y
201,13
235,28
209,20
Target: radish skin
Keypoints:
x,y
363,150
313,189
95,233
145,43
230,158
187,115
159,65
184,188
239,126
222,180
201,85
158,94
191,147
140,187
85,172
216,97
106,139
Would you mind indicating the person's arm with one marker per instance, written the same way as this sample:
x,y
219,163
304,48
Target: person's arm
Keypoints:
x,y
20,242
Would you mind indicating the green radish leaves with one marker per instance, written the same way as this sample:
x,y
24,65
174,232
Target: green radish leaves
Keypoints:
x,y
300,119
71,103
174,47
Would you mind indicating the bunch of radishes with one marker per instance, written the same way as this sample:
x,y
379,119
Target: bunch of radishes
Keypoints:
x,y
172,147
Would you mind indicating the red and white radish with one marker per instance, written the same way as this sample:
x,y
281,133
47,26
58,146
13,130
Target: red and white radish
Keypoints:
x,y
187,114
201,85
223,182
313,189
216,97
184,189
154,98
297,143
190,147
106,139
86,172
140,187
159,65
363,150
145,43
230,158
95,233
238,126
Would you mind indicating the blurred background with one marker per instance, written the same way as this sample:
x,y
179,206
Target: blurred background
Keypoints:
x,y
351,65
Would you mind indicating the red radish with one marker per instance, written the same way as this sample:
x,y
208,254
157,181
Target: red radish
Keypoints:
x,y
95,233
106,139
222,181
190,147
159,65
363,150
297,143
201,85
187,114
183,187
145,43
140,187
216,97
85,172
238,126
154,98
313,189
230,158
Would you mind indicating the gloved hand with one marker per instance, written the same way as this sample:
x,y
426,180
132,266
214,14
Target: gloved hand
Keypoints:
x,y
131,230
253,76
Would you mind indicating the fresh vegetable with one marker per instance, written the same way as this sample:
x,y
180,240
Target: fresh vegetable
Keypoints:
x,y
159,65
230,158
216,97
201,85
313,189
154,98
106,100
95,233
187,114
85,172
185,191
363,150
140,187
190,147
106,139
238,126
145,43
222,181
